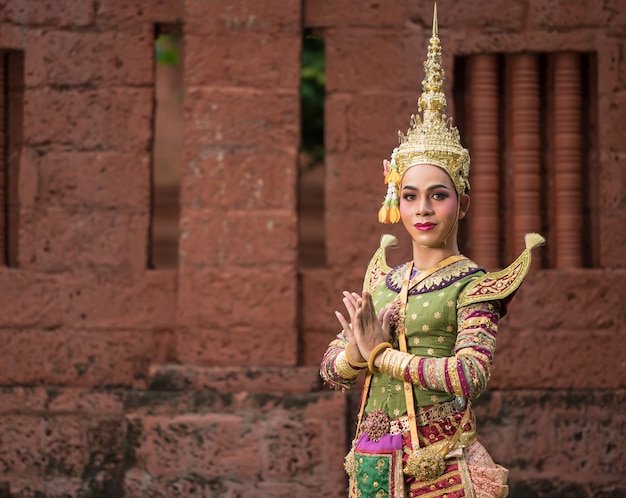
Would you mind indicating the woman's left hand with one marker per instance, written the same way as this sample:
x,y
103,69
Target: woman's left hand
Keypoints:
x,y
370,330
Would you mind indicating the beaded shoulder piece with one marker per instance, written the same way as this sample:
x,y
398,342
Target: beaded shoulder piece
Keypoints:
x,y
496,286
377,269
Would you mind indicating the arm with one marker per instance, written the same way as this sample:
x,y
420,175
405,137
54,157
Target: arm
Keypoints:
x,y
464,374
336,370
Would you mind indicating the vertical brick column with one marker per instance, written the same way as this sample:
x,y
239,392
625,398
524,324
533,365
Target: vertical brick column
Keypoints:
x,y
237,268
568,160
3,166
526,136
483,78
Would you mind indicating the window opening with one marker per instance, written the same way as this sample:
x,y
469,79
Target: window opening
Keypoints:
x,y
167,147
311,170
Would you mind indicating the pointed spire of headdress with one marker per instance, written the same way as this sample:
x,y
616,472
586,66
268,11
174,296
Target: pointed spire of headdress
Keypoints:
x,y
431,139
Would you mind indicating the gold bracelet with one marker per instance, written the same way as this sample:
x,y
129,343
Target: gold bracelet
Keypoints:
x,y
374,354
343,367
354,364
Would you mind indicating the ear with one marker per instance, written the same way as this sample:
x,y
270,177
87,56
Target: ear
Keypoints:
x,y
464,204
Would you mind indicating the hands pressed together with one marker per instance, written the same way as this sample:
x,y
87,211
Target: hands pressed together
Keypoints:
x,y
366,329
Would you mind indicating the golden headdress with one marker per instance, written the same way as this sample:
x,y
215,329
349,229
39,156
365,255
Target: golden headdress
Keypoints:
x,y
431,139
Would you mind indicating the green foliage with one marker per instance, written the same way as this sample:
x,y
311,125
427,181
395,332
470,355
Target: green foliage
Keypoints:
x,y
166,51
312,95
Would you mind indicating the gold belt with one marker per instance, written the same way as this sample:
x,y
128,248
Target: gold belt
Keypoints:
x,y
377,424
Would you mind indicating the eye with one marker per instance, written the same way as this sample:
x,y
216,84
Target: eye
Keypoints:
x,y
440,196
408,197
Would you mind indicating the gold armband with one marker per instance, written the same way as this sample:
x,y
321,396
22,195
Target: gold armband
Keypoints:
x,y
394,363
343,367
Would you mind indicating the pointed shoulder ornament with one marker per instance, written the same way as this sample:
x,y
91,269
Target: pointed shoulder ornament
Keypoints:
x,y
377,269
500,285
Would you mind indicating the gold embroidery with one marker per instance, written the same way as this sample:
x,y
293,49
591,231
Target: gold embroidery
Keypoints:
x,y
499,285
478,321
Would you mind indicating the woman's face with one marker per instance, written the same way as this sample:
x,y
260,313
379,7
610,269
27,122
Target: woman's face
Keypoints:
x,y
429,204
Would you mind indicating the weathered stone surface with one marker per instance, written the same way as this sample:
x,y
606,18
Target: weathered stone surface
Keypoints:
x,y
265,238
232,379
126,382
209,179
233,117
218,59
286,434
111,119
49,13
91,59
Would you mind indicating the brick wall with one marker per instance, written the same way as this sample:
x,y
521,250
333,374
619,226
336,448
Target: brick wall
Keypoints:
x,y
117,380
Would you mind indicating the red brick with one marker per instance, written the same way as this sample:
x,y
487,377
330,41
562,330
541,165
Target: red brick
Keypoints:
x,y
368,60
85,179
287,434
62,240
373,123
329,13
262,238
94,59
246,345
356,180
50,12
235,178
114,302
611,64
353,237
39,445
230,379
563,14
561,359
266,297
134,12
611,131
472,15
77,358
243,16
613,237
220,59
322,291
112,119
241,118
26,487
611,181
209,445
29,299
337,108
558,297
554,433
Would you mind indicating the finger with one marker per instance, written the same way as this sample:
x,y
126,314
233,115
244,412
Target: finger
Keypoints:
x,y
344,323
368,306
350,307
381,314
386,322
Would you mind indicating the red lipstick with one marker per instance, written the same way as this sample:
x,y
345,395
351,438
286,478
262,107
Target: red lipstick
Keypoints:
x,y
424,227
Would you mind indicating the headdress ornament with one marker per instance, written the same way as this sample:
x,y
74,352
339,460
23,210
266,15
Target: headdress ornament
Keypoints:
x,y
431,139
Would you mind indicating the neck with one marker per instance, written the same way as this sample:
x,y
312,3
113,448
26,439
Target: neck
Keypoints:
x,y
425,257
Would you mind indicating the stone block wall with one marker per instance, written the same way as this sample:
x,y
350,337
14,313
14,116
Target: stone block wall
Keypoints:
x,y
117,380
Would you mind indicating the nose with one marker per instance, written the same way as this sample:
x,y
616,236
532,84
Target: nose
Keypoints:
x,y
423,207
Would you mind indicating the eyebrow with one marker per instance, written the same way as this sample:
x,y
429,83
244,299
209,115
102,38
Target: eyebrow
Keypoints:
x,y
432,187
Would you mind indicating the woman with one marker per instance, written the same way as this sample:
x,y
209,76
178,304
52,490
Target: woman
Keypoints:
x,y
424,332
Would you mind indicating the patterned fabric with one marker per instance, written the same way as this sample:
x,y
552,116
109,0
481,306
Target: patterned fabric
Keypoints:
x,y
489,479
451,352
335,370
